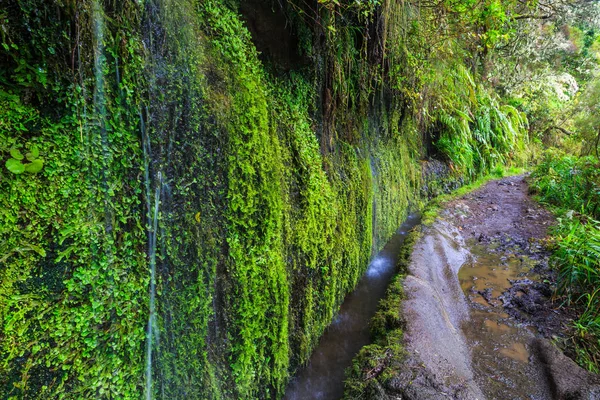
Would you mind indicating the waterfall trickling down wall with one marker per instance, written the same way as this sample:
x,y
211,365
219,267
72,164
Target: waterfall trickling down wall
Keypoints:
x,y
373,169
184,185
204,239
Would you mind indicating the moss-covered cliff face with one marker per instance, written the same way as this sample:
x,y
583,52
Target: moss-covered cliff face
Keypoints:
x,y
202,209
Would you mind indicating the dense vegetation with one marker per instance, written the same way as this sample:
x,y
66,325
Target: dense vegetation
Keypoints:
x,y
184,202
572,186
563,110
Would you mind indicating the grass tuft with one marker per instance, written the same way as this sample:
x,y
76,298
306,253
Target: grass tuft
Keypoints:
x,y
571,186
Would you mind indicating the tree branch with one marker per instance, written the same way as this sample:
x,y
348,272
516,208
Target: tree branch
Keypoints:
x,y
558,128
597,142
534,16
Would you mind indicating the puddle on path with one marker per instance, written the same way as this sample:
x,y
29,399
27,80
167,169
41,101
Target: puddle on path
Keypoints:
x,y
500,351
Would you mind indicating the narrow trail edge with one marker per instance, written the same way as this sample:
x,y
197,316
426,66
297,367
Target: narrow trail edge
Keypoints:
x,y
485,335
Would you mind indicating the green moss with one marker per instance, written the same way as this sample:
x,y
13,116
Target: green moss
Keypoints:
x,y
274,191
70,232
321,208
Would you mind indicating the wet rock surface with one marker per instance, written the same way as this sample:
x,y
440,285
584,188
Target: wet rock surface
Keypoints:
x,y
438,360
567,380
438,179
479,308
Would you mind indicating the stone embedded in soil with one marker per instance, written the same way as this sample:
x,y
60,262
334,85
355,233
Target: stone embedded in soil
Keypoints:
x,y
531,303
486,294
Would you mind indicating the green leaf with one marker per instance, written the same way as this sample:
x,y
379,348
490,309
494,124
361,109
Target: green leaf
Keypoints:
x,y
35,166
15,166
35,153
37,249
16,154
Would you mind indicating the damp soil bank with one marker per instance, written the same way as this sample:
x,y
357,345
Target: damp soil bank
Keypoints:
x,y
479,316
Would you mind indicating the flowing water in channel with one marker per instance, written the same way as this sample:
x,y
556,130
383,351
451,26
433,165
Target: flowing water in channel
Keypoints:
x,y
323,377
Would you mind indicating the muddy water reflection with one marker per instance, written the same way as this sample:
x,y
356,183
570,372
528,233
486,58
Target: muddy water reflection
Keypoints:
x,y
499,345
323,377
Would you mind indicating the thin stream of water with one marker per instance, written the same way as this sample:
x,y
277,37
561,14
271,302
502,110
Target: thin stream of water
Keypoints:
x,y
323,377
151,328
100,106
373,169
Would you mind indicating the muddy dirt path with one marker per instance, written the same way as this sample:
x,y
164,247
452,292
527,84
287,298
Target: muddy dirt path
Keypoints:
x,y
479,309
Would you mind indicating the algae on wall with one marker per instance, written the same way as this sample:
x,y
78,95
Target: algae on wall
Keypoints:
x,y
257,195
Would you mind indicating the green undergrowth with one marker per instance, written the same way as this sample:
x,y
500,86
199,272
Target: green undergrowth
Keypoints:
x,y
380,361
259,196
571,187
478,133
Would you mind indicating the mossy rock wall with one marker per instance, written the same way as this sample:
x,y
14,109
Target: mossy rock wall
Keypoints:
x,y
259,195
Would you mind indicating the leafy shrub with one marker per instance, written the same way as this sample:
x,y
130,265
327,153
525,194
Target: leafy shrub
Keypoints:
x,y
571,185
569,182
577,258
477,132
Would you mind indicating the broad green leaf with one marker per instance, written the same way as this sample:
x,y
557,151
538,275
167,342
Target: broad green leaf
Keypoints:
x,y
16,154
15,166
35,152
35,166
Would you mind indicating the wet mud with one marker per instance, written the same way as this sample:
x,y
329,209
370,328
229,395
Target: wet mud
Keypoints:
x,y
480,313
